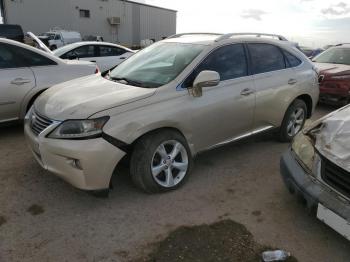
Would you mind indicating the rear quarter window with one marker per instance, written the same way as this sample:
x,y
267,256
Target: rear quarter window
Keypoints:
x,y
291,60
266,58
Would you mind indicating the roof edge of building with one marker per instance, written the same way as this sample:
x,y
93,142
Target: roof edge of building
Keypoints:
x,y
154,6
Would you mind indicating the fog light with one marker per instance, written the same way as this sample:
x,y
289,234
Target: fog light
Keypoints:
x,y
75,163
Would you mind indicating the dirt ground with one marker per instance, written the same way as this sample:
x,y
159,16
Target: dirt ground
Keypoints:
x,y
44,219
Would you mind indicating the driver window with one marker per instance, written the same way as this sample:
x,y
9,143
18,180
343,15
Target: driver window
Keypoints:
x,y
57,37
229,61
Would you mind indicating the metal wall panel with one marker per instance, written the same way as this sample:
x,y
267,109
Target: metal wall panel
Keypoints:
x,y
138,22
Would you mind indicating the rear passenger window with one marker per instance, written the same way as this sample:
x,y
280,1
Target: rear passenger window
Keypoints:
x,y
30,59
292,61
266,58
229,61
15,56
7,59
111,51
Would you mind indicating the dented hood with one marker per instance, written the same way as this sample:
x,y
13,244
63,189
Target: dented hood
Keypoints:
x,y
333,137
83,97
333,69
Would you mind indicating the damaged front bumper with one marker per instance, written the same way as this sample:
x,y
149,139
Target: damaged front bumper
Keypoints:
x,y
332,208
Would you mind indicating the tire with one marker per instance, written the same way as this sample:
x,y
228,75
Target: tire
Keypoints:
x,y
52,48
292,124
149,158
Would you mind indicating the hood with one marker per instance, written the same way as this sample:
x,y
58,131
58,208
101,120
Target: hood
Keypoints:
x,y
333,69
83,97
332,139
39,43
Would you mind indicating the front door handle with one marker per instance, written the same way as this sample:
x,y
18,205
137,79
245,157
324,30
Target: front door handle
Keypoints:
x,y
93,61
247,92
20,81
292,81
122,58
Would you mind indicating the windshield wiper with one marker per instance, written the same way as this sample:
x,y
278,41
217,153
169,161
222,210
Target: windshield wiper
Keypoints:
x,y
128,81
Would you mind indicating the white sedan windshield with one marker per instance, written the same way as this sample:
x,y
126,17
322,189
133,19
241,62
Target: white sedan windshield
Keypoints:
x,y
156,65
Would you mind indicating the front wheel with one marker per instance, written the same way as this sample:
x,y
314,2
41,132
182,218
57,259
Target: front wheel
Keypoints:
x,y
293,121
160,162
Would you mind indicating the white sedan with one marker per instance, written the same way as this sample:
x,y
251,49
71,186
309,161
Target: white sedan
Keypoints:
x,y
25,72
105,55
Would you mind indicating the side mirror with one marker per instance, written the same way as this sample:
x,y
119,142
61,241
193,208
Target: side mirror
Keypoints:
x,y
204,79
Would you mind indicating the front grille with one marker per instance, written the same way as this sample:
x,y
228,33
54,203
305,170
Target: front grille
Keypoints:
x,y
336,177
39,123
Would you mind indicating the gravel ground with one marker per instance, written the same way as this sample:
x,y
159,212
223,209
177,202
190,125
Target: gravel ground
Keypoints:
x,y
44,219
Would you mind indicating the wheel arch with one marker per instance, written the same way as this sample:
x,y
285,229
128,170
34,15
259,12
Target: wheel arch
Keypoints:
x,y
128,147
307,99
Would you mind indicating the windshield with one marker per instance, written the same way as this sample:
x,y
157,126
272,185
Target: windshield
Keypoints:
x,y
334,56
157,64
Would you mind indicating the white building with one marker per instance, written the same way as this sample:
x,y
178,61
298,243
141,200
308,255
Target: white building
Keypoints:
x,y
120,21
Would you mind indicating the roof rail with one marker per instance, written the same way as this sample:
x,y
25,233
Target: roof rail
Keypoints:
x,y
227,36
188,34
342,44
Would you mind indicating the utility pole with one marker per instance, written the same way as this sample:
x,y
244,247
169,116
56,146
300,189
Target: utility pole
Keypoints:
x,y
2,11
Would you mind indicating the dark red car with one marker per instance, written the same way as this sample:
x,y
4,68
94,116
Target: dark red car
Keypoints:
x,y
334,74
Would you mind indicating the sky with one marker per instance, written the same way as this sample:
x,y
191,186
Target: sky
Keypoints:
x,y
313,23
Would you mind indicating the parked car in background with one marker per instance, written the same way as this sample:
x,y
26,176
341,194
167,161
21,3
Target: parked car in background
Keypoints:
x,y
95,38
13,32
168,102
59,38
311,52
317,168
25,72
334,74
105,55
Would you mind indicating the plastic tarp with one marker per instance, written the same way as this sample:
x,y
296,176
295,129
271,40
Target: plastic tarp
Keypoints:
x,y
333,138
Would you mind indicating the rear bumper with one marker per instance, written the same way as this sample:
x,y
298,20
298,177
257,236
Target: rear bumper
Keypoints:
x,y
313,191
96,158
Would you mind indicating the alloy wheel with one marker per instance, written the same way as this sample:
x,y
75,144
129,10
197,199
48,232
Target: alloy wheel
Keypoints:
x,y
296,122
169,163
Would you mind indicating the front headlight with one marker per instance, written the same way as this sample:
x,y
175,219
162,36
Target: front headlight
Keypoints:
x,y
304,149
79,129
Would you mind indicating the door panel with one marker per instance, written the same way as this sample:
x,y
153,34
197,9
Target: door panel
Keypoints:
x,y
226,111
272,95
14,85
273,84
222,113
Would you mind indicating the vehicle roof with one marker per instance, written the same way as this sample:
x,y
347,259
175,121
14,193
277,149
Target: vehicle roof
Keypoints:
x,y
82,43
211,40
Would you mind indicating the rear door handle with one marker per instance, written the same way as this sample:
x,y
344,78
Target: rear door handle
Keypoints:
x,y
20,81
122,58
292,81
247,92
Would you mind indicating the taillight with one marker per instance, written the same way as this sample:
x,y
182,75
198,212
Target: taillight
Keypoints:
x,y
97,71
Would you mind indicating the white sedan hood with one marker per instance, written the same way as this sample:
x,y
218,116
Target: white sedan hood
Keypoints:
x,y
83,97
333,139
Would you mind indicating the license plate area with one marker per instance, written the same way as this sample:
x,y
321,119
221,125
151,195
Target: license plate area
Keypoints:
x,y
334,221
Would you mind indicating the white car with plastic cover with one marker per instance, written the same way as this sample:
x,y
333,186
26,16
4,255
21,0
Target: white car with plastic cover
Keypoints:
x,y
26,72
317,167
